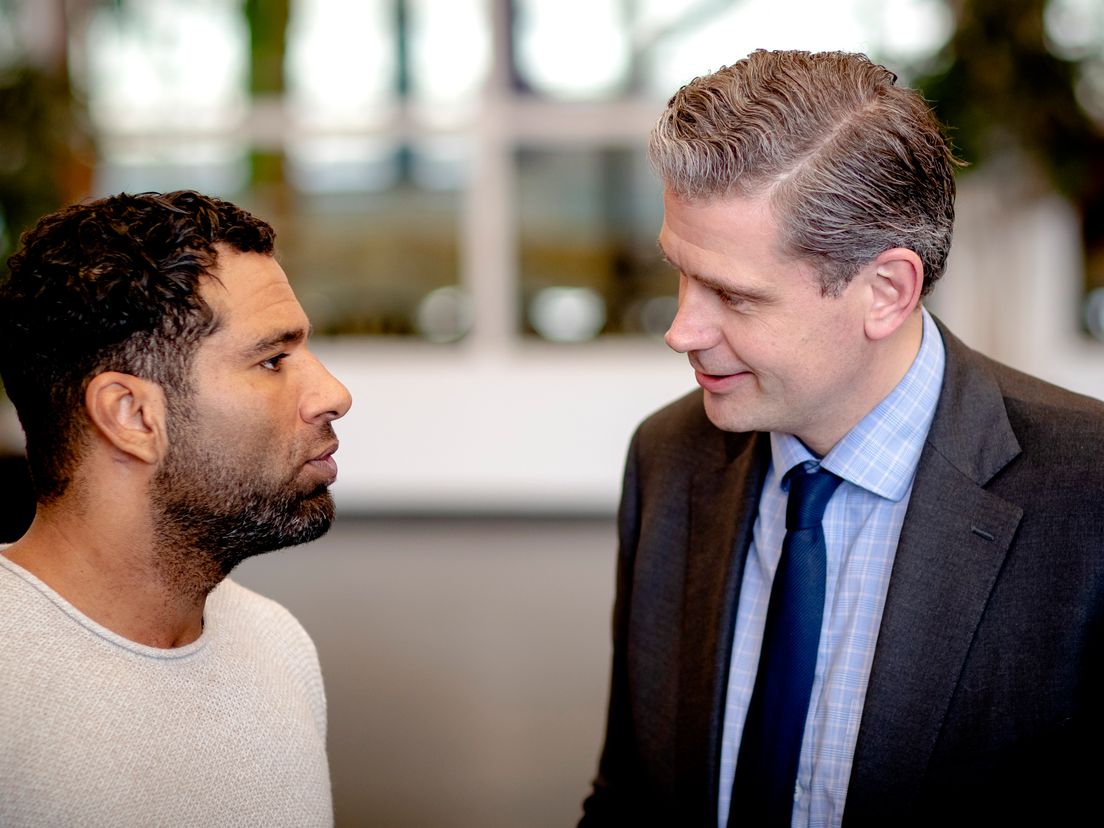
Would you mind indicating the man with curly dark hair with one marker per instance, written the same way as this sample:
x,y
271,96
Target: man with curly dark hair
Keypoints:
x,y
176,423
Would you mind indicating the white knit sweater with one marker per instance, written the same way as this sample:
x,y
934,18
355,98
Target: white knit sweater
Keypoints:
x,y
96,730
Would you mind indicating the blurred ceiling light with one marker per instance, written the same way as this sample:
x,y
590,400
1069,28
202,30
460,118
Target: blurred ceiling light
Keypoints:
x,y
567,314
341,61
445,314
143,72
1075,28
573,49
450,56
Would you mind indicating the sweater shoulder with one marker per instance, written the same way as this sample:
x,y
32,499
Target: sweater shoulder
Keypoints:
x,y
246,613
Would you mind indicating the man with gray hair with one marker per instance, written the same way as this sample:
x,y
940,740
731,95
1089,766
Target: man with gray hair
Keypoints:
x,y
861,570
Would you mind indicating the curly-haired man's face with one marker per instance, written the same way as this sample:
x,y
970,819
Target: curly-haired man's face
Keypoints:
x,y
251,453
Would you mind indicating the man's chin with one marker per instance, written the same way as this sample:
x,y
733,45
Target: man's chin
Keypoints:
x,y
266,528
726,415
312,518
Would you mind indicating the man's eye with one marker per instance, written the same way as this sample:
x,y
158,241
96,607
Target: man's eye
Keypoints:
x,y
273,362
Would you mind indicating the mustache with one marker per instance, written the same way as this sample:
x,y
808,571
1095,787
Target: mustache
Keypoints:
x,y
322,440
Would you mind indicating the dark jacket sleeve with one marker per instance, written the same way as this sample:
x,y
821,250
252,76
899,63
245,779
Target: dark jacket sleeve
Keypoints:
x,y
609,803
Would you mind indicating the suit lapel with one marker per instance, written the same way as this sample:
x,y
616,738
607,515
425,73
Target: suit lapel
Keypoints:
x,y
723,506
953,543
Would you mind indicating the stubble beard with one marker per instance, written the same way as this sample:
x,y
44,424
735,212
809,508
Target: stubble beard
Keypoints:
x,y
210,515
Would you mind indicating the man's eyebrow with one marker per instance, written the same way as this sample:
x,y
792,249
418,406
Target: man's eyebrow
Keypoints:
x,y
271,343
748,294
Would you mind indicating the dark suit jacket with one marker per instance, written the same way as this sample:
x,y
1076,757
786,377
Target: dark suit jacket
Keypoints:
x,y
985,698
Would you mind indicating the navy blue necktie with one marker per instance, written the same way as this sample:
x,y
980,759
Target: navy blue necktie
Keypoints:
x,y
766,767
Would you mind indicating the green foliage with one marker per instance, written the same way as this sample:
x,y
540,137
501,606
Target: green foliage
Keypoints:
x,y
1002,88
40,140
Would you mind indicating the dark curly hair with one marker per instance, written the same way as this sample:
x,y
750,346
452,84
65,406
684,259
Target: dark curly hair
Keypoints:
x,y
109,285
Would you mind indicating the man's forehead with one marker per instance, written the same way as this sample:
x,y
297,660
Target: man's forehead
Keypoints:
x,y
719,224
252,299
731,243
238,277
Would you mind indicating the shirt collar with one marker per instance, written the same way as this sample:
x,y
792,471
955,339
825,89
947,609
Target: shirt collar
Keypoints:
x,y
881,453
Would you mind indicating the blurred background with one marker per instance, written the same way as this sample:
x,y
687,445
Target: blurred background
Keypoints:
x,y
465,210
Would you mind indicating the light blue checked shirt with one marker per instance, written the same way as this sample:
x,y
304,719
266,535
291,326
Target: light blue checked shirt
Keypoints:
x,y
877,460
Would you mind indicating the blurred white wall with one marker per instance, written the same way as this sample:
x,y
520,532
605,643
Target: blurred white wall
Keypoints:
x,y
534,429
1014,283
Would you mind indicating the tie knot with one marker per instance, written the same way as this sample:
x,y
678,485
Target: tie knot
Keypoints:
x,y
810,492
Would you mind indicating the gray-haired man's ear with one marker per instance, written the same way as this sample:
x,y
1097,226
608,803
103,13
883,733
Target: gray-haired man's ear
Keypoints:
x,y
896,279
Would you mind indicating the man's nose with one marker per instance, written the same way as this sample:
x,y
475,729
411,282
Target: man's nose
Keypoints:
x,y
326,399
694,327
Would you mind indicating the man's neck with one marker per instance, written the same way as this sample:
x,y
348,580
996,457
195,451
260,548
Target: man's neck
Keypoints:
x,y
114,574
892,359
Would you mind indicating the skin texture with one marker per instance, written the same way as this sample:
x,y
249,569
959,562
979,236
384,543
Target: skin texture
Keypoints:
x,y
771,351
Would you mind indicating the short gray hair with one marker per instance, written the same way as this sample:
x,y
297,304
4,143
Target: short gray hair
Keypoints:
x,y
853,164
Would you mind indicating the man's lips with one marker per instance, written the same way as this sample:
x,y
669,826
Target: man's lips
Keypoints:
x,y
719,382
325,463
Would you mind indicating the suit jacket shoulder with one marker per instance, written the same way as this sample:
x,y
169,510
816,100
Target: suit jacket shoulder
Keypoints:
x,y
1042,414
990,645
1036,410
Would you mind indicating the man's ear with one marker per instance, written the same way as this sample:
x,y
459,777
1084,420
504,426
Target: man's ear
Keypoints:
x,y
896,281
129,413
